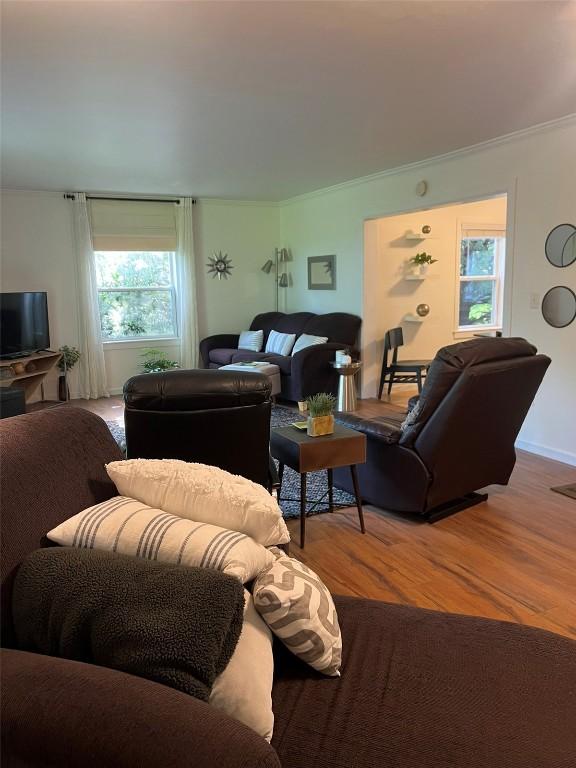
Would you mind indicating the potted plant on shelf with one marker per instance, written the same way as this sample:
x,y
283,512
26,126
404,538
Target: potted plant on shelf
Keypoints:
x,y
422,261
155,361
70,356
321,414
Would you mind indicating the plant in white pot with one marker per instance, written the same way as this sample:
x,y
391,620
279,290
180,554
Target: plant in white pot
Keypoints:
x,y
422,261
321,414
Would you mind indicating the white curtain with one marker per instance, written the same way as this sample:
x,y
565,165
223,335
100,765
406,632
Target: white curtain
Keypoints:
x,y
186,283
91,366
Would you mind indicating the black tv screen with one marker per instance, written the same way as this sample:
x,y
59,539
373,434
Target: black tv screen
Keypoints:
x,y
23,323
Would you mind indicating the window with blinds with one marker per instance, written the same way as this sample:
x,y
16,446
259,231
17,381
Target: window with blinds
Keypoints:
x,y
480,277
134,244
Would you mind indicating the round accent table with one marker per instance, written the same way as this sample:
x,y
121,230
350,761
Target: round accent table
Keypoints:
x,y
346,385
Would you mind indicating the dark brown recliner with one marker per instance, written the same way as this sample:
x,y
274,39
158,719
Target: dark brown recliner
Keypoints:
x,y
459,436
220,418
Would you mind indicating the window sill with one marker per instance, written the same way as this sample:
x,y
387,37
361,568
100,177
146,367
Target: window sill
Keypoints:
x,y
141,343
471,332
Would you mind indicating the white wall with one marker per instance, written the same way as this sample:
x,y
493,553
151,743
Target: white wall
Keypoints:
x,y
537,169
37,254
388,296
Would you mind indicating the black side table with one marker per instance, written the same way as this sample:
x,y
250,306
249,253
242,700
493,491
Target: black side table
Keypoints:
x,y
303,454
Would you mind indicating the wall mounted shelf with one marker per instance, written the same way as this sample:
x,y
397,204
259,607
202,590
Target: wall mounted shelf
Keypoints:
x,y
412,319
415,277
418,236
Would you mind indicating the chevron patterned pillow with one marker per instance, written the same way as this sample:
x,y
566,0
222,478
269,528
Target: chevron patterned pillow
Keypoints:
x,y
300,611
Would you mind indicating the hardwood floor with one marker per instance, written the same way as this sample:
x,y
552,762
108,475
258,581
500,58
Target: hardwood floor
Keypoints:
x,y
511,558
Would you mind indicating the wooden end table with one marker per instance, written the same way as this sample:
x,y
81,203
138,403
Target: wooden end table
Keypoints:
x,y
294,448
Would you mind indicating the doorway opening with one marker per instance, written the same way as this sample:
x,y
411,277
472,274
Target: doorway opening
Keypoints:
x,y
439,274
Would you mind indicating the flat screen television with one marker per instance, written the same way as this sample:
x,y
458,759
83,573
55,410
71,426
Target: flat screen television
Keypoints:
x,y
23,323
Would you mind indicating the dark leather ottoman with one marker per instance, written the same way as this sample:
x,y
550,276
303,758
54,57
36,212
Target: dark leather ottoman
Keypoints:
x,y
421,689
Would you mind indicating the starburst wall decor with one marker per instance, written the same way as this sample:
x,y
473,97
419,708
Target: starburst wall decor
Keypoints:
x,y
220,266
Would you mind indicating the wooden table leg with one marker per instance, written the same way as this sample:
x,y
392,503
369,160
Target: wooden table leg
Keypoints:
x,y
358,497
330,491
302,509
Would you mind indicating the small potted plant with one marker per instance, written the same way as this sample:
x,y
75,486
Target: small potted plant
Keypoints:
x,y
70,356
154,361
422,261
321,414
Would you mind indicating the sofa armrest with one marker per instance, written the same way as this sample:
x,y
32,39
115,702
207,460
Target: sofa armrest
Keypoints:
x,y
219,341
61,712
382,428
312,372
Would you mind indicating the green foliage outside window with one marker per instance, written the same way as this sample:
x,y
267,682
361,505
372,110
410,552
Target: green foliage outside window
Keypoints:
x,y
136,296
477,299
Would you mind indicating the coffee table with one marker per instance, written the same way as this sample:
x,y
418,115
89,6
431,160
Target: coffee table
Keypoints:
x,y
303,454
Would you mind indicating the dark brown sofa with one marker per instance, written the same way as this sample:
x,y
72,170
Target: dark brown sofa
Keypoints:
x,y
419,689
461,433
308,371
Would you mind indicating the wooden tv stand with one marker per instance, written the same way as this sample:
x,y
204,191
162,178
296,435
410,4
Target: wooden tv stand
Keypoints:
x,y
36,367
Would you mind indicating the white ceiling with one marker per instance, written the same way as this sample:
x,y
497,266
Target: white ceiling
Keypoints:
x,y
265,100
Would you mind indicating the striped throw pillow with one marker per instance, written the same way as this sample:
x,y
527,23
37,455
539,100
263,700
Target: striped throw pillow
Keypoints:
x,y
129,527
251,340
280,343
300,611
307,340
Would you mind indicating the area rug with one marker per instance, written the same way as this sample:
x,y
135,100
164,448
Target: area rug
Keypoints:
x,y
566,490
317,482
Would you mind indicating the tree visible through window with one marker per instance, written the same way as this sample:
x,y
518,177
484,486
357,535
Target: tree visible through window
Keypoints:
x,y
480,278
136,294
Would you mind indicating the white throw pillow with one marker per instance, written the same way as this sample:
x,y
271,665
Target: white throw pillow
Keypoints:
x,y
129,527
204,494
244,689
300,611
307,340
251,340
280,343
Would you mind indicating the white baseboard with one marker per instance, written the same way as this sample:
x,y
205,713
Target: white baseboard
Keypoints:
x,y
116,390
550,453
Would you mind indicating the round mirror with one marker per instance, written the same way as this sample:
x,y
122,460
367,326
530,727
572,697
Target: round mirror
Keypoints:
x,y
569,250
560,245
559,306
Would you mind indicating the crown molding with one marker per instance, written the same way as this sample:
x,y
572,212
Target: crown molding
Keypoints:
x,y
482,146
231,202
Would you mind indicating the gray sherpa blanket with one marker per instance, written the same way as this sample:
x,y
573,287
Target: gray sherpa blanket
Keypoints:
x,y
175,625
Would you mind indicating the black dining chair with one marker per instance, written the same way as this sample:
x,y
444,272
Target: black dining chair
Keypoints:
x,y
399,371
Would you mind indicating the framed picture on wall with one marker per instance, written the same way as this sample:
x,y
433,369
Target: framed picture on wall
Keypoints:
x,y
322,273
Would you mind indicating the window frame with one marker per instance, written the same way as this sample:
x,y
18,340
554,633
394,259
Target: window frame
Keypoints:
x,y
135,341
497,278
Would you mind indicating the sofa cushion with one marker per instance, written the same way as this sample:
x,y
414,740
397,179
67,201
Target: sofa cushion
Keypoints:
x,y
300,611
337,326
131,528
204,494
278,321
280,343
221,356
421,689
252,340
244,689
307,340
